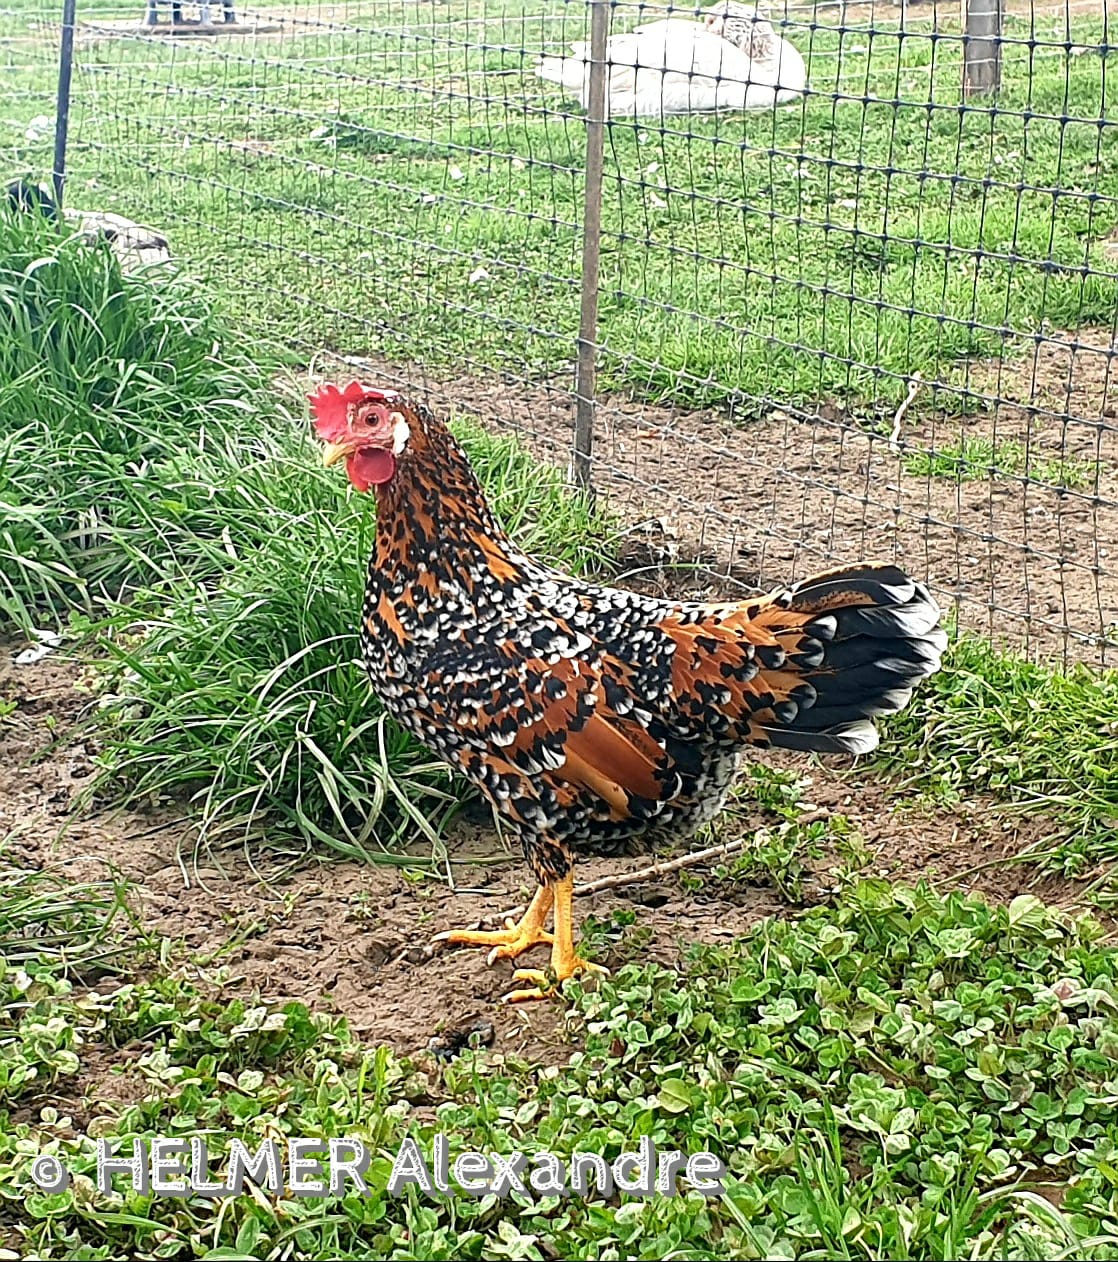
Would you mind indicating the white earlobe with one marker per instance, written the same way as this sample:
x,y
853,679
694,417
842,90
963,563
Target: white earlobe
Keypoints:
x,y
401,432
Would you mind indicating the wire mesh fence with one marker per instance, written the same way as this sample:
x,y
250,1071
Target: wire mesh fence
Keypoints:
x,y
848,307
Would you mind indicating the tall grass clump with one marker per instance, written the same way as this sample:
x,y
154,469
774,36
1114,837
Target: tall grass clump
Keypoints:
x,y
110,386
151,476
246,695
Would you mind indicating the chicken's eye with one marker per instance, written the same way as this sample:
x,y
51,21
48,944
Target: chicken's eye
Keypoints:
x,y
370,416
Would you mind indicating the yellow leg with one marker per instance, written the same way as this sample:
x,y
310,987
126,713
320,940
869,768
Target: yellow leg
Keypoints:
x,y
565,962
515,938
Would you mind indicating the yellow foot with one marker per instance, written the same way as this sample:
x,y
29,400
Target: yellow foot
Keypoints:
x,y
507,943
515,938
545,984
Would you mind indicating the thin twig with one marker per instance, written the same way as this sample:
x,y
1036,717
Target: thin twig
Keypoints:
x,y
620,879
915,382
157,828
664,868
1004,861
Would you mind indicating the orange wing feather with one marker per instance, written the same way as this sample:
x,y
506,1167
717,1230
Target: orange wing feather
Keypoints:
x,y
743,662
610,755
614,757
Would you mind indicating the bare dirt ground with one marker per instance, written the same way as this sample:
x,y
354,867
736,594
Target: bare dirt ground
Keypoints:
x,y
354,938
1024,561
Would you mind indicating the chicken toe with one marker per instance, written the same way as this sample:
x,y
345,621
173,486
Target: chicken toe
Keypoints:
x,y
565,961
515,938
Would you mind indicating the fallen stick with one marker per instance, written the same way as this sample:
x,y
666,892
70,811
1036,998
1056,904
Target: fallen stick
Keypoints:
x,y
619,880
650,873
665,867
596,887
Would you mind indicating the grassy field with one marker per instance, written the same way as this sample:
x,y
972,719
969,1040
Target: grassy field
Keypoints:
x,y
896,1072
380,178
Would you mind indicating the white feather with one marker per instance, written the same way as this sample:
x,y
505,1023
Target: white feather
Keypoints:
x,y
860,738
401,433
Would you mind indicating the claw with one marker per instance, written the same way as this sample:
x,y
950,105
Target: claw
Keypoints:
x,y
514,939
506,944
546,984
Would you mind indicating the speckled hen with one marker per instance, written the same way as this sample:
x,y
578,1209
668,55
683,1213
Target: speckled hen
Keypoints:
x,y
587,714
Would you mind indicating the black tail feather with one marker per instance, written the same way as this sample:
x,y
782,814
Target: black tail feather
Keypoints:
x,y
875,650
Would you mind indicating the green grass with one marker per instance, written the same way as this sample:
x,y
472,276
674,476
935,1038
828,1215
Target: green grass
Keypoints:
x,y
982,458
247,694
899,1076
781,852
1041,739
153,474
110,388
344,185
75,927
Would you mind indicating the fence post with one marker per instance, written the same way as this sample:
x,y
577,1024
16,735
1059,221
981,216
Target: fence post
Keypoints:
x,y
62,109
585,372
982,46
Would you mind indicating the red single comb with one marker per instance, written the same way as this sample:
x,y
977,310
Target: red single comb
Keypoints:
x,y
329,405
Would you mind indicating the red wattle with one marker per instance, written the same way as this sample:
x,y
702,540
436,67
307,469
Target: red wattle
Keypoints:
x,y
371,466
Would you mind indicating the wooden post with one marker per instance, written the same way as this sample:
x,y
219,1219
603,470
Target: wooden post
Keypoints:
x,y
62,109
982,46
586,370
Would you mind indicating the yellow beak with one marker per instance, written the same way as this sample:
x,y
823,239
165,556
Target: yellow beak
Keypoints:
x,y
335,452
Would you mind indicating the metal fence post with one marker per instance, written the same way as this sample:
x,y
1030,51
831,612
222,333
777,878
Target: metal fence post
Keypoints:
x,y
982,46
585,373
62,111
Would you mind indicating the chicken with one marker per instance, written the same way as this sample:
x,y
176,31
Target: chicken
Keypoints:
x,y
586,714
732,60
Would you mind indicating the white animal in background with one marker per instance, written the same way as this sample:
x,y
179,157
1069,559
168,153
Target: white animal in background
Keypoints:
x,y
732,60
